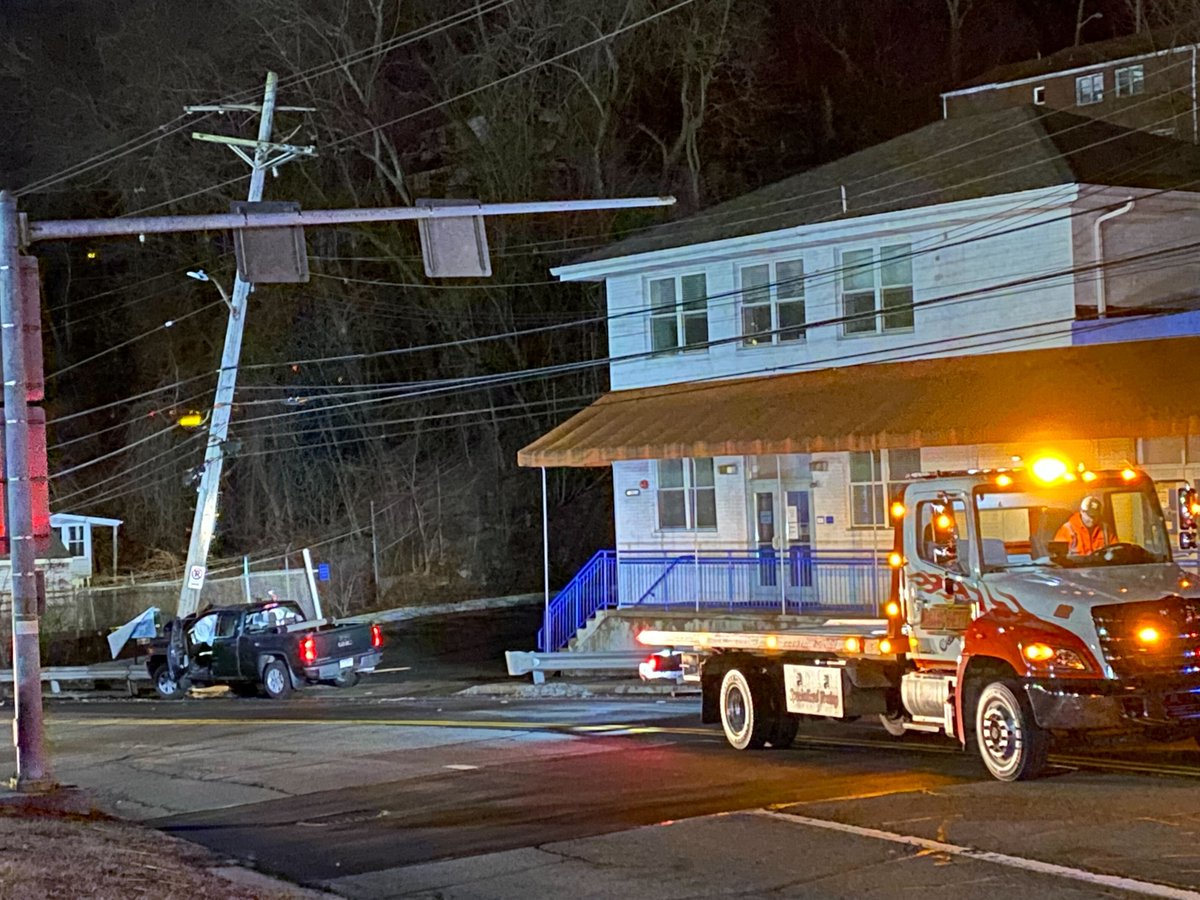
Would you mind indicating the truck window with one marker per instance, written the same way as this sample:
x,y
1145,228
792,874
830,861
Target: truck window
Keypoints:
x,y
270,618
227,624
1027,527
942,533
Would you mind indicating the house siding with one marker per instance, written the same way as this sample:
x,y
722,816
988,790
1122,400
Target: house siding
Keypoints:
x,y
1156,236
957,261
1166,105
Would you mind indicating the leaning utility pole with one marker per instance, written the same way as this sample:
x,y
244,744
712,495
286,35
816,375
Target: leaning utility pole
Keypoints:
x,y
33,769
205,518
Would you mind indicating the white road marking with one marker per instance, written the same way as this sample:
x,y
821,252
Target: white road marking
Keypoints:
x,y
1117,882
462,767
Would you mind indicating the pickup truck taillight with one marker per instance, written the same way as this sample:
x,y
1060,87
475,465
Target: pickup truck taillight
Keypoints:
x,y
376,636
308,649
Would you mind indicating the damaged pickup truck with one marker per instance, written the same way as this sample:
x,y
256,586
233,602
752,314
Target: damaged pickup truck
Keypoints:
x,y
262,647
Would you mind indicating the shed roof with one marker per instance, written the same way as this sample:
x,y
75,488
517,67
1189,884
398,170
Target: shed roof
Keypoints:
x,y
1133,389
991,154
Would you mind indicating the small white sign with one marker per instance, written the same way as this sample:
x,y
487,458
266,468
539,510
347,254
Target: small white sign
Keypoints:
x,y
814,690
195,577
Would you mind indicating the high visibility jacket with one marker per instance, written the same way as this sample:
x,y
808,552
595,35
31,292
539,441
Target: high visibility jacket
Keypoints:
x,y
1081,539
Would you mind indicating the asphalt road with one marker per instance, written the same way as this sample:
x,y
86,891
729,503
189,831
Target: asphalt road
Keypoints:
x,y
402,787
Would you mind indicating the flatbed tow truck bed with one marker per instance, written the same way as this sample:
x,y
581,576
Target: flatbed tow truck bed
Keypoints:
x,y
843,637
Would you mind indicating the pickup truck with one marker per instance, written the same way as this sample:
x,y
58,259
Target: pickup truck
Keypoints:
x,y
262,646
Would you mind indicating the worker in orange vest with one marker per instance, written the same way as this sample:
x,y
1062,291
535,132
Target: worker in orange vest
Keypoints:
x,y
1084,532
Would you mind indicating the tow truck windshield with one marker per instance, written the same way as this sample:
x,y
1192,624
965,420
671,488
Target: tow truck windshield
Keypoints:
x,y
1072,525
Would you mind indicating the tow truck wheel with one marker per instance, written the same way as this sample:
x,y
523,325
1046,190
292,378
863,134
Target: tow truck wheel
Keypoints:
x,y
276,680
1011,744
893,724
166,686
744,714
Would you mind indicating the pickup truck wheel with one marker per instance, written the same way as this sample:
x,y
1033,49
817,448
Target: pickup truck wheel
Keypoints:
x,y
349,680
166,686
276,679
744,711
1010,742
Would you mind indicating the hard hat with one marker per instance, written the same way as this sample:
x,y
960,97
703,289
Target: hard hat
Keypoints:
x,y
1091,505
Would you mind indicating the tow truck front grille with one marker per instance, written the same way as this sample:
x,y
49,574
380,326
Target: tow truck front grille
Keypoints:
x,y
1175,652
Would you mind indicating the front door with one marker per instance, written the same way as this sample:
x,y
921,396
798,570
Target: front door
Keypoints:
x,y
225,646
781,522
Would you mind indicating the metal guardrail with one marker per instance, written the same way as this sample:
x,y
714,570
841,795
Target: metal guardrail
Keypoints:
x,y
58,674
523,662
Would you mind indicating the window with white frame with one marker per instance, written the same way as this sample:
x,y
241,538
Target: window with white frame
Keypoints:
x,y
1130,80
73,539
678,313
876,480
877,290
773,302
1089,89
687,494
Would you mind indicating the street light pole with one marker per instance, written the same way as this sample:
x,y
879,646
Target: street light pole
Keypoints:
x,y
33,768
205,518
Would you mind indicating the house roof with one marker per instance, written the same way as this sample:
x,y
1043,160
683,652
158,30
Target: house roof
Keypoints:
x,y
992,154
1087,55
60,519
1017,396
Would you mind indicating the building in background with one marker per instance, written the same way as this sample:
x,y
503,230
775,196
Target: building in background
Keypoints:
x,y
754,451
1145,81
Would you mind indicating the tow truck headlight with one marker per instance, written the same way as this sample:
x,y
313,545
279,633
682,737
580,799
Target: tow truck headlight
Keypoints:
x,y
1058,657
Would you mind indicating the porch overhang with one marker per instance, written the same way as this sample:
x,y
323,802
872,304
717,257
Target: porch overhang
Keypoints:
x,y
1131,389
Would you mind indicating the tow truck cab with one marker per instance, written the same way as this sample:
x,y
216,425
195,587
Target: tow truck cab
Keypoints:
x,y
999,629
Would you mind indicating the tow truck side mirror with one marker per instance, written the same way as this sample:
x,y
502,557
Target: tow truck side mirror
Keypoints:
x,y
1188,507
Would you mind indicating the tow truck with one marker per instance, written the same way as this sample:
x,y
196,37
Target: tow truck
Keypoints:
x,y
993,632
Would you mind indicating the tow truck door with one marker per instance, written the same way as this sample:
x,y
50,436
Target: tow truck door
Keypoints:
x,y
940,571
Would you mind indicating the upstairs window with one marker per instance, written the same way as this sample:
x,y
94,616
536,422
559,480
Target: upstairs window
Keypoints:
x,y
877,290
876,480
773,302
687,495
1089,89
1130,80
678,313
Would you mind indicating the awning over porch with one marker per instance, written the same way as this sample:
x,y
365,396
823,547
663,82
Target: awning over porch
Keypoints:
x,y
1131,389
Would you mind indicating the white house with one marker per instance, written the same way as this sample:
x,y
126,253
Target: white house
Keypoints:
x,y
75,532
1021,230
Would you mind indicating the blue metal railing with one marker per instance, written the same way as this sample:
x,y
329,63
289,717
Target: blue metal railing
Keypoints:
x,y
799,580
594,587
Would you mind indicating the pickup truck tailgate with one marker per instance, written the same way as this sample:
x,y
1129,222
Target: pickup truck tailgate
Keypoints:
x,y
341,648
